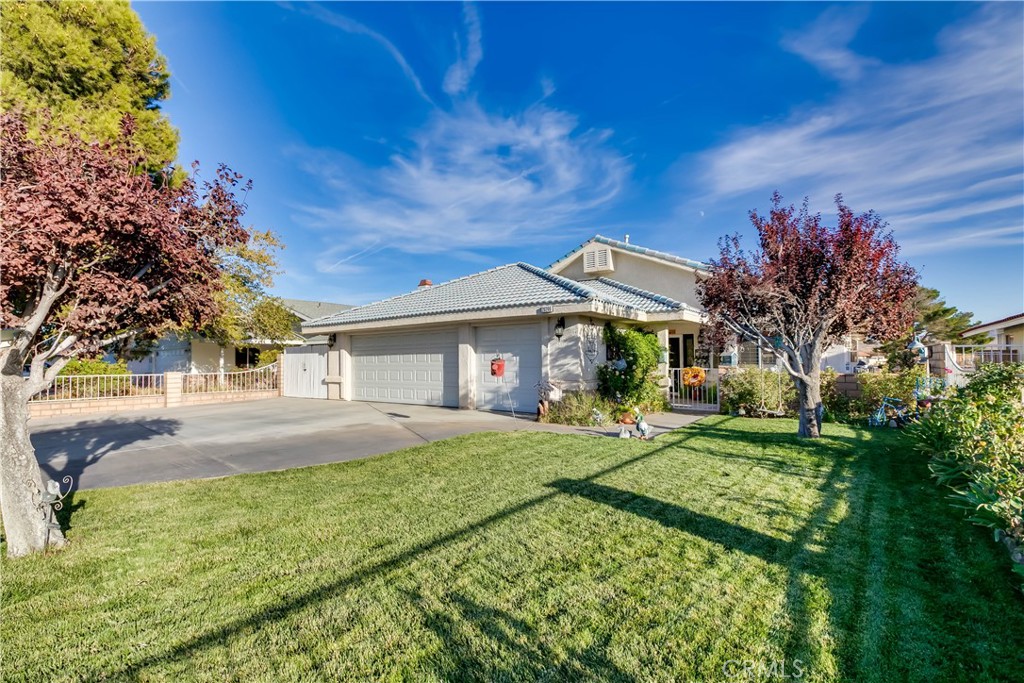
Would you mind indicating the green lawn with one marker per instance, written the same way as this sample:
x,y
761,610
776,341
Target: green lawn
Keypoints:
x,y
531,556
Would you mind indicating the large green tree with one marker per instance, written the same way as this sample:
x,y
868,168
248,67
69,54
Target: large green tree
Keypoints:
x,y
248,312
85,65
942,322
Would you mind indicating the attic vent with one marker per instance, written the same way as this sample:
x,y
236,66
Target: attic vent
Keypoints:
x,y
597,261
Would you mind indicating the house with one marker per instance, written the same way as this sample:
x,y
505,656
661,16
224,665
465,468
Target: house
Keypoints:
x,y
191,352
435,345
1007,345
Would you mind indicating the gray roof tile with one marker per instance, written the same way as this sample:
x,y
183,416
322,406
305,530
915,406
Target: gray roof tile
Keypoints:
x,y
512,286
626,246
649,302
310,310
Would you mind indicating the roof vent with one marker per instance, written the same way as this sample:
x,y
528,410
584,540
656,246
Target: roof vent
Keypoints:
x,y
425,283
598,260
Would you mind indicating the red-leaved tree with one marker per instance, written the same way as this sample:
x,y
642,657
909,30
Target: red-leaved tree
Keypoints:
x,y
91,250
807,287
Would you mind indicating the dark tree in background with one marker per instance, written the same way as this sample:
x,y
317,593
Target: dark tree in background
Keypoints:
x,y
941,321
806,287
91,251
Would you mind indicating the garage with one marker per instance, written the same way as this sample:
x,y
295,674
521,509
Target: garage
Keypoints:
x,y
519,346
420,368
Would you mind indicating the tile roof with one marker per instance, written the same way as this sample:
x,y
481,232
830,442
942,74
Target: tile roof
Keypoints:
x,y
644,251
641,299
994,322
310,310
511,286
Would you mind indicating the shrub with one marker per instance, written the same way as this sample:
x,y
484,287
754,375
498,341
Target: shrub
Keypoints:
x,y
577,408
838,408
268,357
976,444
750,388
628,379
94,366
874,386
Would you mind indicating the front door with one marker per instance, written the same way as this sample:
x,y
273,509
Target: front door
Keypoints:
x,y
674,352
689,351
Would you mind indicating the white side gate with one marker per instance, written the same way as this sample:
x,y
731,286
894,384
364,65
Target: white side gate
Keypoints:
x,y
703,397
305,371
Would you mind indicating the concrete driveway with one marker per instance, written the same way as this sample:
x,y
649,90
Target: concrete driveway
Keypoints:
x,y
213,441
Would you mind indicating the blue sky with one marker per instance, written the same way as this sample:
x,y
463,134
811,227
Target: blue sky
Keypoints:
x,y
390,142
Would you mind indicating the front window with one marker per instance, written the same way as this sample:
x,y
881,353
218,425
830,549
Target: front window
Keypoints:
x,y
246,357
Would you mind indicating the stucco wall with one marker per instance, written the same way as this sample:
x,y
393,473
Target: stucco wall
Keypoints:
x,y
572,360
171,354
206,357
1017,334
645,273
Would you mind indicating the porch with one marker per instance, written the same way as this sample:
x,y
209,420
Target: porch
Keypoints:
x,y
970,357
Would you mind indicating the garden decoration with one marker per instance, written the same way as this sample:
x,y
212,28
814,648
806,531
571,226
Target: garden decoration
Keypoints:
x,y
52,500
694,377
929,387
642,428
892,412
546,393
917,345
498,372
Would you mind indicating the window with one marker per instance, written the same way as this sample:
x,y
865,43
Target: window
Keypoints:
x,y
246,357
750,353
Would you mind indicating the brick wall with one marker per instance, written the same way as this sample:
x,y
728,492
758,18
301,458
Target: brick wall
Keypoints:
x,y
40,409
225,397
846,385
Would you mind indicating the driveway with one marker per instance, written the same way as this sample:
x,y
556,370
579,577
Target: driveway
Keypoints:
x,y
257,436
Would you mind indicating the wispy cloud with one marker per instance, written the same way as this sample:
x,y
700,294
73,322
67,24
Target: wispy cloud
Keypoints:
x,y
935,146
471,180
352,26
467,179
825,44
459,74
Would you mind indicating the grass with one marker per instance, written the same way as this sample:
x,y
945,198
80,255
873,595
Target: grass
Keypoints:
x,y
530,556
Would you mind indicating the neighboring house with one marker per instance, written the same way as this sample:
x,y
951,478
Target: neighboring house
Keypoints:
x,y
434,345
192,353
1007,345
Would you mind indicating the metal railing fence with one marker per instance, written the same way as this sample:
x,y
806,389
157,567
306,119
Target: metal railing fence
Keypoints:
x,y
90,387
258,379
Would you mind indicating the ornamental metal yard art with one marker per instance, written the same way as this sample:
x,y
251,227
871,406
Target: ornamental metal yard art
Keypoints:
x,y
52,500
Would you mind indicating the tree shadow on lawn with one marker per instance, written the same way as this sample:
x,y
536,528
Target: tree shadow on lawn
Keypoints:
x,y
841,616
868,597
328,590
475,631
796,555
85,443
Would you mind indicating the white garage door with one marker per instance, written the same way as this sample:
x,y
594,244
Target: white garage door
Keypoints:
x,y
414,367
519,345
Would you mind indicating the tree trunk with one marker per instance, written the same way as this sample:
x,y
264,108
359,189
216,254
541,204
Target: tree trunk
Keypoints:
x,y
25,514
811,409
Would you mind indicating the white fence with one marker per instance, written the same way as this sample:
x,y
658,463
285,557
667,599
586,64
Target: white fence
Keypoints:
x,y
703,397
91,387
970,357
244,381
